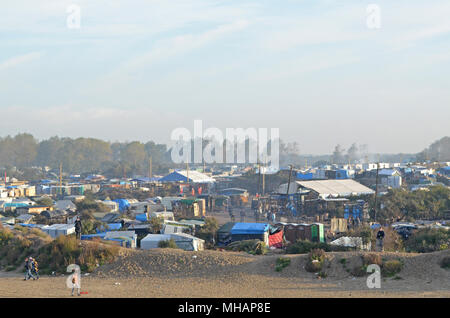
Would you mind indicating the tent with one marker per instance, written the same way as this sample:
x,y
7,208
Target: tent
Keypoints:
x,y
224,234
276,239
184,241
152,240
142,217
250,231
123,204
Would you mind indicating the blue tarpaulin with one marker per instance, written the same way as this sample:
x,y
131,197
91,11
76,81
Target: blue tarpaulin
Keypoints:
x,y
174,177
249,228
142,217
110,227
123,204
91,236
304,176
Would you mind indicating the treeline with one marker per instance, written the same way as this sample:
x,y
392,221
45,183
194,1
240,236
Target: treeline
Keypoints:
x,y
83,155
416,205
437,151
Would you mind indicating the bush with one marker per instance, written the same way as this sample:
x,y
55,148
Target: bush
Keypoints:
x,y
365,232
208,231
282,262
392,267
359,271
167,244
157,224
445,262
315,261
250,246
428,240
372,258
303,247
65,250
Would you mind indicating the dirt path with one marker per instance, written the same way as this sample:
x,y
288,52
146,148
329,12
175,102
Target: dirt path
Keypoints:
x,y
175,273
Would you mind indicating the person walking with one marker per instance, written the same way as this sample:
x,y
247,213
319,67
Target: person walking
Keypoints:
x,y
78,228
76,282
29,268
27,273
380,239
33,264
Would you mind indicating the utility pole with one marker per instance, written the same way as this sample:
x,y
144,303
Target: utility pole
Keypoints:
x,y
187,172
289,182
60,179
376,192
264,177
150,171
259,177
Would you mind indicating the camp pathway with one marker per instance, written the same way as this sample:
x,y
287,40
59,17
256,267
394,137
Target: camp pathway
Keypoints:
x,y
249,286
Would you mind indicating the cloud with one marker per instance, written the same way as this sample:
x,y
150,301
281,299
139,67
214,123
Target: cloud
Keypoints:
x,y
20,59
181,44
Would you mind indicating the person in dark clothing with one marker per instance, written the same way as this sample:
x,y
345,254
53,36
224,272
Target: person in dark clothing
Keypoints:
x,y
29,268
78,228
380,239
242,215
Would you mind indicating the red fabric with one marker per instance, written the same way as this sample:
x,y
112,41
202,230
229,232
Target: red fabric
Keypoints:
x,y
276,240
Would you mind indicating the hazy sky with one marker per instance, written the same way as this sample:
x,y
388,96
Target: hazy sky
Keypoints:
x,y
135,70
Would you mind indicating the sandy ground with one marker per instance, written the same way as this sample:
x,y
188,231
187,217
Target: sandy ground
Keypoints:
x,y
179,274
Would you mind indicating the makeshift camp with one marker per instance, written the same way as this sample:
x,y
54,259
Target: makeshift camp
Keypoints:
x,y
56,230
317,232
294,232
338,225
168,202
152,240
7,220
276,239
224,234
238,196
124,238
250,231
143,217
163,215
183,241
25,218
123,204
188,242
190,207
172,227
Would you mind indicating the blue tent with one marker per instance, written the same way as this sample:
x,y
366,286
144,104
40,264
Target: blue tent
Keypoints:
x,y
142,217
174,177
109,227
123,204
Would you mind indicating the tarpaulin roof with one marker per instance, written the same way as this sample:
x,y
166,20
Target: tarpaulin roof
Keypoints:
x,y
142,217
249,228
182,176
123,204
346,187
226,228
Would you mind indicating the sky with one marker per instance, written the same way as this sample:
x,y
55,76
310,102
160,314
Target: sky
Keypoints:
x,y
316,69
